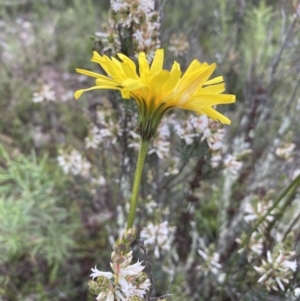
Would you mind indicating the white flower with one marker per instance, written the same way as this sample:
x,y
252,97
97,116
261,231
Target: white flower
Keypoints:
x,y
211,261
132,269
103,296
106,134
146,5
297,292
214,139
255,245
97,273
160,148
117,5
292,265
286,151
276,271
45,93
173,167
150,205
232,165
100,181
192,128
73,163
179,44
127,282
256,211
159,236
216,159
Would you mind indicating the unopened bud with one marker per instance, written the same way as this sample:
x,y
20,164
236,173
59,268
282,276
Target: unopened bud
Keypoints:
x,y
94,288
120,248
103,282
129,236
119,260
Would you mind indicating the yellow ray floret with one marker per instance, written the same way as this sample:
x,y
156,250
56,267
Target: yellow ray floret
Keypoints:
x,y
152,87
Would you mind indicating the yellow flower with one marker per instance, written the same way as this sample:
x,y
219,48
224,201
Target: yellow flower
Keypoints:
x,y
156,90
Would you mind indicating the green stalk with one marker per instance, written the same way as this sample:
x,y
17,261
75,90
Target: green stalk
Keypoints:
x,y
144,144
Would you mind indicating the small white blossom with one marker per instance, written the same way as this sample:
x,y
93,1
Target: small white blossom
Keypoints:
x,y
286,151
150,205
143,21
44,94
232,165
214,139
131,270
179,44
255,245
100,181
253,212
105,134
73,163
160,148
297,292
158,236
211,261
276,271
201,126
172,168
192,128
97,273
161,143
106,296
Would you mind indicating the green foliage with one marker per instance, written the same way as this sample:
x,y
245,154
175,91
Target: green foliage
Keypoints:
x,y
36,223
261,36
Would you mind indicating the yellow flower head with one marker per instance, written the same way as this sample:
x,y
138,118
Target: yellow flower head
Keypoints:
x,y
156,90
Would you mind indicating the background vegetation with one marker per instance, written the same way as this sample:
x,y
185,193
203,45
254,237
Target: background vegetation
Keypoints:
x,y
56,224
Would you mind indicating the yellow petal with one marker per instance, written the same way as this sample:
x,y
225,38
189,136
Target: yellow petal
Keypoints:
x,y
215,80
172,82
143,65
132,84
102,61
215,115
214,89
207,100
175,66
125,93
122,75
78,93
110,67
189,85
194,67
97,58
158,61
101,82
156,83
113,68
93,74
128,63
129,71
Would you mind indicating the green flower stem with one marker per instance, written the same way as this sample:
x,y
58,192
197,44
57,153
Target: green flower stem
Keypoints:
x,y
144,144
